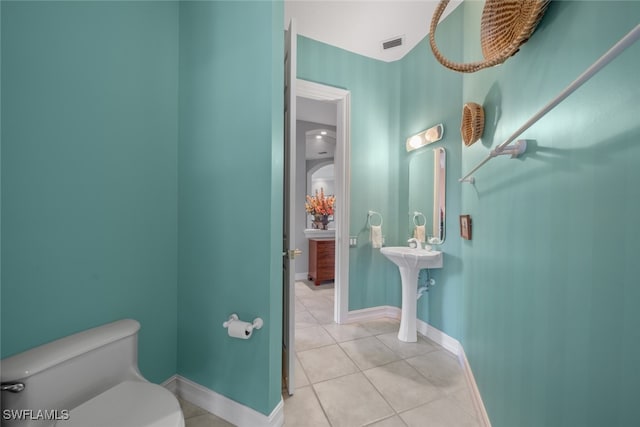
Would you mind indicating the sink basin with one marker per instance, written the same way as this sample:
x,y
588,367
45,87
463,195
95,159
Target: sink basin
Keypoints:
x,y
403,256
410,261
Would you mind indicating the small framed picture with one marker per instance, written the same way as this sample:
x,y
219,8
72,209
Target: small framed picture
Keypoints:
x,y
465,227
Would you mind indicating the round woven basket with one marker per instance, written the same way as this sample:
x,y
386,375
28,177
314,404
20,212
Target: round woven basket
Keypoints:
x,y
505,25
472,123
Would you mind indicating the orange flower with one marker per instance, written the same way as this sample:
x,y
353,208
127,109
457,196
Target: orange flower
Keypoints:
x,y
319,204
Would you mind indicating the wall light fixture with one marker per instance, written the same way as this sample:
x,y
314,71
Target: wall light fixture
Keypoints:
x,y
425,137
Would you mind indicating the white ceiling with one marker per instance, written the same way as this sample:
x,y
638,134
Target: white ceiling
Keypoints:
x,y
360,26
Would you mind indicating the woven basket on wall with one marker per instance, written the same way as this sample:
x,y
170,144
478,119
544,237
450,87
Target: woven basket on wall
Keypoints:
x,y
504,27
472,123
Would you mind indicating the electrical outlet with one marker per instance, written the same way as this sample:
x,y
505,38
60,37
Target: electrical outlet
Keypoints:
x,y
353,241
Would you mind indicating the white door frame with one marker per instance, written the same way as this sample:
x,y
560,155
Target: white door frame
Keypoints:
x,y
342,98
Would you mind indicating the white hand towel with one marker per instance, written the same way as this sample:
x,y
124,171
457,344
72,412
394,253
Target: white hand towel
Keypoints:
x,y
376,236
418,233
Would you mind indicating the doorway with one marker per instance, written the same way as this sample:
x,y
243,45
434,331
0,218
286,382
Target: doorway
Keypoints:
x,y
340,98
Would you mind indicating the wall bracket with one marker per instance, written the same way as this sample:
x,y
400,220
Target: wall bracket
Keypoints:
x,y
515,150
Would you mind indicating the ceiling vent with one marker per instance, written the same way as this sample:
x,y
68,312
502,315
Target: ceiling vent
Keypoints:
x,y
394,42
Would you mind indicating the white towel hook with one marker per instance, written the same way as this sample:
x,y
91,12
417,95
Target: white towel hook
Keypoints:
x,y
371,214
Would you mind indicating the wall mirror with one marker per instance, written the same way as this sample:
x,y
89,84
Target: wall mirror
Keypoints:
x,y
427,192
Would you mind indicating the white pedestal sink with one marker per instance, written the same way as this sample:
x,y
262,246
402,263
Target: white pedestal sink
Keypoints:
x,y
410,261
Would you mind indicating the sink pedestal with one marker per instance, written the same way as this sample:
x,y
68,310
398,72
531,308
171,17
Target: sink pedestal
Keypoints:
x,y
409,277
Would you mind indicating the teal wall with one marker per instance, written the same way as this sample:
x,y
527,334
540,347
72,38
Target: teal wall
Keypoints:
x,y
551,294
230,196
142,154
89,173
1,353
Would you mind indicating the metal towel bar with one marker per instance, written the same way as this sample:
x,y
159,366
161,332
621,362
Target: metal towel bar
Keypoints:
x,y
605,59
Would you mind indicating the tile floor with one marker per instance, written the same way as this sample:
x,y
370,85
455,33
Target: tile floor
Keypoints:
x,y
362,375
197,417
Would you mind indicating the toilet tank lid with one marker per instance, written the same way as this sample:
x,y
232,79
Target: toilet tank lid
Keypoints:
x,y
38,359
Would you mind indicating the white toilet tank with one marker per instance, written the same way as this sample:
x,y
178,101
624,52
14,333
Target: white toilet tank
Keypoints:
x,y
82,373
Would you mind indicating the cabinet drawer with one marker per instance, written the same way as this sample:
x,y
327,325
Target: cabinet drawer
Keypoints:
x,y
321,260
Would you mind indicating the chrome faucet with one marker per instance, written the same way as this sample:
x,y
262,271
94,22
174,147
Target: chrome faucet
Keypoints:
x,y
414,243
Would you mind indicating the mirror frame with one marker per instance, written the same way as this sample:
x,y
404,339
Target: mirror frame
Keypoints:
x,y
439,196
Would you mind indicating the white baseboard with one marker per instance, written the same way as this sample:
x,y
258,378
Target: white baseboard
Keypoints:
x,y
223,407
302,276
450,344
373,313
473,388
171,384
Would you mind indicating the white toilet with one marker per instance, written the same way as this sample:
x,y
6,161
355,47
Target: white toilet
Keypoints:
x,y
89,379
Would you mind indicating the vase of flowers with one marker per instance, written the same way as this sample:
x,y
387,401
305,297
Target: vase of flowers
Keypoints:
x,y
321,207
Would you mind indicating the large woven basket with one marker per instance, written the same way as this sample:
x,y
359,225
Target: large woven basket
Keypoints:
x,y
504,27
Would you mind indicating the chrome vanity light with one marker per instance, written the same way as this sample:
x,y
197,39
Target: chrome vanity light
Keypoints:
x,y
425,137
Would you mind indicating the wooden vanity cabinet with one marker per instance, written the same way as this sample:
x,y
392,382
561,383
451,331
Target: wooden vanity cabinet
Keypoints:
x,y
322,255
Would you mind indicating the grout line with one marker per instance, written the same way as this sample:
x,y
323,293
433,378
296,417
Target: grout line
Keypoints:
x,y
388,418
380,393
324,412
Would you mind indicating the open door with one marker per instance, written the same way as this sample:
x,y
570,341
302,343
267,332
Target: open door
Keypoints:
x,y
289,251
